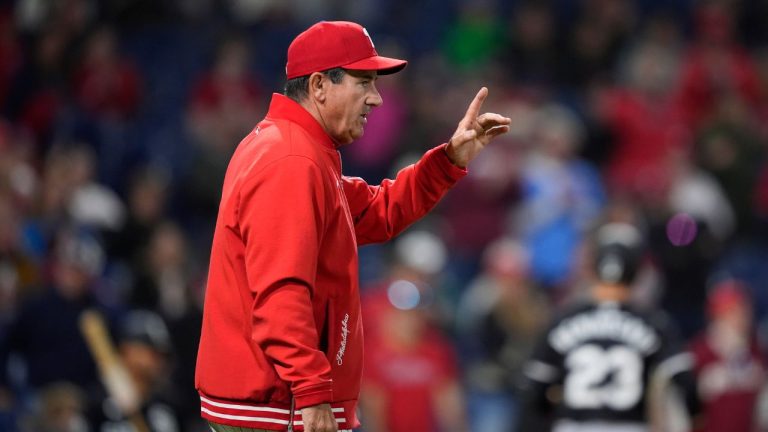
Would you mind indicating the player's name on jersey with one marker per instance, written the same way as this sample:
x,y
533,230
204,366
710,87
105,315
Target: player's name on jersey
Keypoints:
x,y
604,324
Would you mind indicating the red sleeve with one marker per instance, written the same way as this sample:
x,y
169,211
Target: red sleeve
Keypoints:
x,y
445,359
381,212
281,216
129,92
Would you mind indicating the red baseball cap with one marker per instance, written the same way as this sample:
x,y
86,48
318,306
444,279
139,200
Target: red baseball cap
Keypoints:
x,y
330,44
726,295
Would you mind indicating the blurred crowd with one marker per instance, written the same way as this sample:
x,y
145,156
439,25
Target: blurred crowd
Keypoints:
x,y
118,118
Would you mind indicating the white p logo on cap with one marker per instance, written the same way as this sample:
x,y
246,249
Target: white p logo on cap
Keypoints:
x,y
365,32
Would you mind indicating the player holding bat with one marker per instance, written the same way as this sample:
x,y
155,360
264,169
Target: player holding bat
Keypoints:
x,y
281,343
131,373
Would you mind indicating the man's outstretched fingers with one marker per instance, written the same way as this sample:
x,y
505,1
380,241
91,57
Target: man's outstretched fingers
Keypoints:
x,y
474,107
491,120
497,130
475,131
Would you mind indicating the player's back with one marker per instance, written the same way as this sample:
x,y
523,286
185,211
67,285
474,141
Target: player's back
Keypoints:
x,y
602,357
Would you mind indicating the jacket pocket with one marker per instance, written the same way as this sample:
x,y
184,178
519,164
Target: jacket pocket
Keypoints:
x,y
328,338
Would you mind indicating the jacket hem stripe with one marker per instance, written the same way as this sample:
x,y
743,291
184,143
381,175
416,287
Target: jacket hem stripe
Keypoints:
x,y
260,419
256,415
244,407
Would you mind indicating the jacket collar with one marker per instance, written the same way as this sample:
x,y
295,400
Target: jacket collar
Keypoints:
x,y
284,108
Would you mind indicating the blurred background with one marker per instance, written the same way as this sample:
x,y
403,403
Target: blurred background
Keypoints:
x,y
118,118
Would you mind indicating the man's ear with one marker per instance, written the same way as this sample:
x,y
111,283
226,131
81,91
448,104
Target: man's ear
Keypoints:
x,y
318,85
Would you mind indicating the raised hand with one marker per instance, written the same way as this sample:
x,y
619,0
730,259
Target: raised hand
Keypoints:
x,y
475,131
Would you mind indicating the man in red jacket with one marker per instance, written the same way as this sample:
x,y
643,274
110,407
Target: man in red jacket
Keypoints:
x,y
281,345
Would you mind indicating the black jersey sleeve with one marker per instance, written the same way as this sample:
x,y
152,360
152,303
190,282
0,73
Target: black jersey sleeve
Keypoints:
x,y
541,372
673,364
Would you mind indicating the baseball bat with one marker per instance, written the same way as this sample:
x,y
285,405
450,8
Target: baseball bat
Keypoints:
x,y
113,373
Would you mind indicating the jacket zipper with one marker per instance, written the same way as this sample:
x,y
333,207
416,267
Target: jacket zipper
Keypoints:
x,y
290,419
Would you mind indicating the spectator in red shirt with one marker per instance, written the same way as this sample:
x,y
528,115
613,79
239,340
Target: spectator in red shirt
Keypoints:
x,y
227,98
10,53
38,88
730,366
223,106
645,121
410,378
106,83
716,68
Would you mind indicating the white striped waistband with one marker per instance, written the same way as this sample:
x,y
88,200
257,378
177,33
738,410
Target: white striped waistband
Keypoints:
x,y
259,416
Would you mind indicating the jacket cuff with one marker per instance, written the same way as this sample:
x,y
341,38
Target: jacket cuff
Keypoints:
x,y
436,161
313,395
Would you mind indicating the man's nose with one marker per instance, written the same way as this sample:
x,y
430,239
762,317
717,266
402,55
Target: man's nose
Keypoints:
x,y
375,98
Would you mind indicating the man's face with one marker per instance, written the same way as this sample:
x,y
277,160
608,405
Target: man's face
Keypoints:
x,y
738,317
348,104
143,362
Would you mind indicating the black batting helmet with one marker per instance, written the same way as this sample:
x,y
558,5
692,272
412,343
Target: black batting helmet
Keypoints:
x,y
619,252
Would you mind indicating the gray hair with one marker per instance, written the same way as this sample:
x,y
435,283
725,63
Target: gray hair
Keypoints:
x,y
298,88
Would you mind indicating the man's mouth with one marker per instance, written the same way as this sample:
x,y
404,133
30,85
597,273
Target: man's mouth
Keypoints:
x,y
364,118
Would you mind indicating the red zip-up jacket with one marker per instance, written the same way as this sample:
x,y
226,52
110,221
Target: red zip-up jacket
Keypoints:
x,y
282,326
